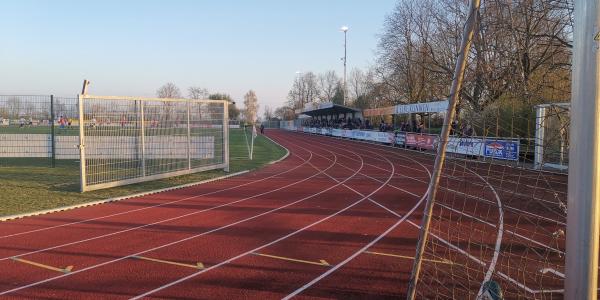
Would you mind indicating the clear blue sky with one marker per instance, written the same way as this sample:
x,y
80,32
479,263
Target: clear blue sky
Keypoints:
x,y
133,47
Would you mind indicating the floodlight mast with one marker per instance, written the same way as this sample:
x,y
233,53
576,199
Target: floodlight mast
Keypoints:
x,y
583,215
345,30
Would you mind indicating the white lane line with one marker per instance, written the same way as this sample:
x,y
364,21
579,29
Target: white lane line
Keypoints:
x,y
467,195
154,206
364,248
174,242
550,270
159,222
493,225
266,245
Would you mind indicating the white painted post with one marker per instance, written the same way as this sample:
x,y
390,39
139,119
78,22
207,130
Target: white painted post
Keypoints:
x,y
82,171
540,114
143,137
189,137
226,135
583,217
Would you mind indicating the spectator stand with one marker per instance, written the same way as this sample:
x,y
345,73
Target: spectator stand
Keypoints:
x,y
327,116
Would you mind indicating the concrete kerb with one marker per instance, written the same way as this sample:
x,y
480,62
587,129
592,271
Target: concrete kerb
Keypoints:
x,y
115,199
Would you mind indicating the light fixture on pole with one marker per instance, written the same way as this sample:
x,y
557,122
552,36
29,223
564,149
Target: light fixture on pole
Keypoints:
x,y
345,30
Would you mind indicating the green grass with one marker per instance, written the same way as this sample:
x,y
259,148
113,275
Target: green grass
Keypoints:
x,y
27,187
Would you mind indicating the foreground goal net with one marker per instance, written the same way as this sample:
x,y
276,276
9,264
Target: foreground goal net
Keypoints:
x,y
126,140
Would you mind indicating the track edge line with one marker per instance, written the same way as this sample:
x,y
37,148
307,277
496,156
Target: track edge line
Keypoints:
x,y
115,199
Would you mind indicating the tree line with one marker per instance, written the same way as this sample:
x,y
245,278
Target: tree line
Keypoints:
x,y
247,114
521,56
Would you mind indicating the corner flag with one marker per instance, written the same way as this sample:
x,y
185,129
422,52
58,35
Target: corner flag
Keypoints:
x,y
254,134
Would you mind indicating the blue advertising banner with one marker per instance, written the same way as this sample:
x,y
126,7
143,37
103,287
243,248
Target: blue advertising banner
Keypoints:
x,y
508,150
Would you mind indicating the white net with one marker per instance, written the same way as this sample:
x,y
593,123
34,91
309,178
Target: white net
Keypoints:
x,y
130,140
497,222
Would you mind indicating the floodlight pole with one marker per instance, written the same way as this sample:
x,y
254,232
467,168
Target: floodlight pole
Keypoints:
x,y
459,70
583,199
345,30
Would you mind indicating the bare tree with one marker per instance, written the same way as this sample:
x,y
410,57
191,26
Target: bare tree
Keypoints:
x,y
304,90
327,84
250,107
168,90
195,92
285,113
14,107
268,113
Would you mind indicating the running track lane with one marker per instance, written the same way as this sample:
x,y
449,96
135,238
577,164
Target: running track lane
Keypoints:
x,y
346,222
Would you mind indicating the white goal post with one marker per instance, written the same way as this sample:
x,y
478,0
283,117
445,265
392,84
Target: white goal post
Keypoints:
x,y
125,140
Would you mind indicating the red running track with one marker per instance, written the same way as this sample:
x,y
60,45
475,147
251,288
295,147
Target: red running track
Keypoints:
x,y
309,227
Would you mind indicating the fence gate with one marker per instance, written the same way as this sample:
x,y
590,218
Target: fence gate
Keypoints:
x,y
125,140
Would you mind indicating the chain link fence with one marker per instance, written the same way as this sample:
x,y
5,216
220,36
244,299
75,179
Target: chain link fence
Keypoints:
x,y
127,140
37,130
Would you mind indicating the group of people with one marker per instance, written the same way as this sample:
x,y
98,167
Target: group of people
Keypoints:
x,y
465,130
64,122
357,123
339,123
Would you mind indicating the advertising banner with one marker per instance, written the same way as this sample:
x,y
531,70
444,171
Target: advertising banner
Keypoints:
x,y
379,111
325,131
467,146
347,133
313,130
383,137
336,132
502,149
421,140
436,106
401,138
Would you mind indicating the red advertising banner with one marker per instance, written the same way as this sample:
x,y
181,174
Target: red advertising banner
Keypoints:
x,y
421,140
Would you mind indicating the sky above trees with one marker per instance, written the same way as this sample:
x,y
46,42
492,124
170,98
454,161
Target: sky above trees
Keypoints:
x,y
134,47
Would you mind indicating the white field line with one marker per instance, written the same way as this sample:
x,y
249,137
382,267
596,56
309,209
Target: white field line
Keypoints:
x,y
478,198
178,241
364,248
47,211
467,195
493,262
550,270
269,244
6,218
478,162
158,222
480,262
161,204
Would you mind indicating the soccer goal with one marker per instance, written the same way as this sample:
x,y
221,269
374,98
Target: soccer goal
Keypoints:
x,y
125,140
552,136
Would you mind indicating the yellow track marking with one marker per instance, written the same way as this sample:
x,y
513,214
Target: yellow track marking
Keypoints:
x,y
68,269
198,265
321,262
443,261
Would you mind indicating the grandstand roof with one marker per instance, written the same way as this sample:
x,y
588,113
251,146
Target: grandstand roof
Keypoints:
x,y
326,109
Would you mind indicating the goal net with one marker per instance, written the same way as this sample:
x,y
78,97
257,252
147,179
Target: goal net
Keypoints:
x,y
126,140
499,224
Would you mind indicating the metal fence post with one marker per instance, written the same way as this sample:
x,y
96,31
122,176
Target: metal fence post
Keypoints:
x,y
583,215
143,137
82,170
538,157
226,135
52,133
459,70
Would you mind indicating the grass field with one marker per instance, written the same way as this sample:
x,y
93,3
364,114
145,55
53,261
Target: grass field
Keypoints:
x,y
27,187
